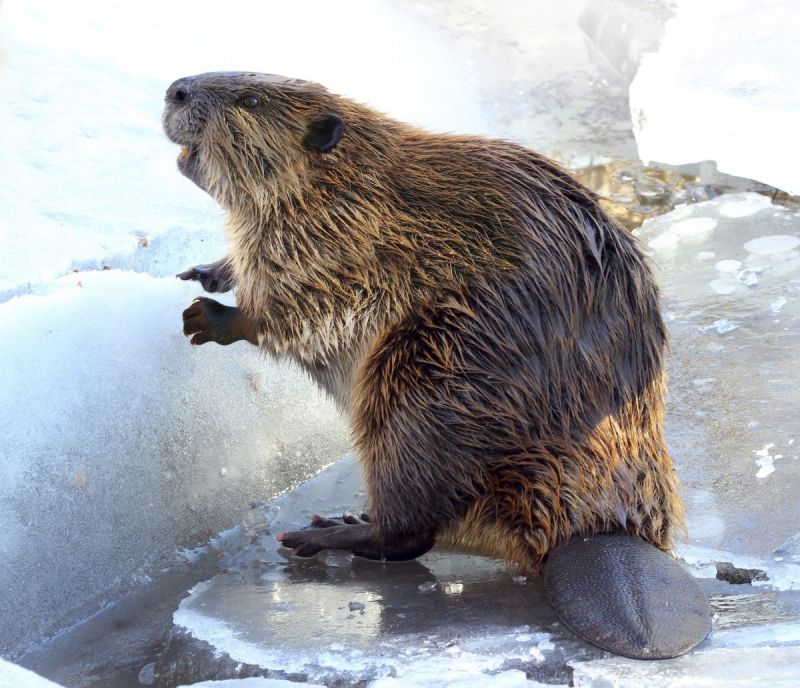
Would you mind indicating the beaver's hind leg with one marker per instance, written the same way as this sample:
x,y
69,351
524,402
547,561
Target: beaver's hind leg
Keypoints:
x,y
626,596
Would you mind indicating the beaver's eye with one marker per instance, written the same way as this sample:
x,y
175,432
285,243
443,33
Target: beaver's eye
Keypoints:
x,y
250,102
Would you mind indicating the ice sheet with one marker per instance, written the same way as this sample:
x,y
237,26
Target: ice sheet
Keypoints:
x,y
732,297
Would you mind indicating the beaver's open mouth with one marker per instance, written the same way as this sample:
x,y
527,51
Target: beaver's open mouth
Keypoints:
x,y
189,164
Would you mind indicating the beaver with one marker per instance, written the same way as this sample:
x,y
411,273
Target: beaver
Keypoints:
x,y
493,336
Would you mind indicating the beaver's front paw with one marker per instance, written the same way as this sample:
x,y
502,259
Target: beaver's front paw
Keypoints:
x,y
207,320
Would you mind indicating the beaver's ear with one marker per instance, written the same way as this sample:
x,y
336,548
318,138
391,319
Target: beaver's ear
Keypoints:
x,y
324,133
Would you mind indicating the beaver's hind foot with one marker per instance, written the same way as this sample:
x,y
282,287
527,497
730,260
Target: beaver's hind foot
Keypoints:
x,y
355,534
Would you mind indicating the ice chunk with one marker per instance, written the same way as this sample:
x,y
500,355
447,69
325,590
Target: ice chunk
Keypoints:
x,y
114,430
723,86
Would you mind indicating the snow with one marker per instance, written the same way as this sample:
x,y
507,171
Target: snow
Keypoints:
x,y
765,461
13,676
724,85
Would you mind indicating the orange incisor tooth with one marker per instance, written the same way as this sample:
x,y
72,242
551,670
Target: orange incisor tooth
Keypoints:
x,y
184,152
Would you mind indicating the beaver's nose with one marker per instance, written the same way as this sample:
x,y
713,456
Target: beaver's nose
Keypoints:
x,y
180,92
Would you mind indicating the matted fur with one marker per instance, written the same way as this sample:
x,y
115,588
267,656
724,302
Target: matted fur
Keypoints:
x,y
493,335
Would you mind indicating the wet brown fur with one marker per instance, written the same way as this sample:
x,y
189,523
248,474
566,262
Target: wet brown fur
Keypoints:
x,y
492,333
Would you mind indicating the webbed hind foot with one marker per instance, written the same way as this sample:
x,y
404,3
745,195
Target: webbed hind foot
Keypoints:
x,y
355,534
625,596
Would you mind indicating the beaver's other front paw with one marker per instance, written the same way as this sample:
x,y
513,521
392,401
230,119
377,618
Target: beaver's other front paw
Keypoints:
x,y
214,277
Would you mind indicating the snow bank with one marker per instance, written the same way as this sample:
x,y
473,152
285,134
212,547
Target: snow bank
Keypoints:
x,y
724,85
122,442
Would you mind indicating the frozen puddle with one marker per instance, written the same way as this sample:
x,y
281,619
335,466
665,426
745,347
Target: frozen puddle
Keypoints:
x,y
453,619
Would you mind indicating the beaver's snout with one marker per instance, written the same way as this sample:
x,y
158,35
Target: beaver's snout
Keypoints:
x,y
180,92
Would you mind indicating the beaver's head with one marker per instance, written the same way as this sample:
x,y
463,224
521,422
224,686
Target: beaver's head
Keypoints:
x,y
241,132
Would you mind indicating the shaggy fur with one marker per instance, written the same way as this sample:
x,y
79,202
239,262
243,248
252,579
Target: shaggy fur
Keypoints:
x,y
494,337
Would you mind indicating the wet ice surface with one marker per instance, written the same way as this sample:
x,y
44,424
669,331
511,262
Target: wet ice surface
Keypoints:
x,y
730,276
447,619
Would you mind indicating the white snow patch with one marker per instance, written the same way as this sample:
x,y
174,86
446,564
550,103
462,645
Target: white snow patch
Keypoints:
x,y
689,230
722,286
765,460
722,326
743,205
705,255
695,227
776,243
